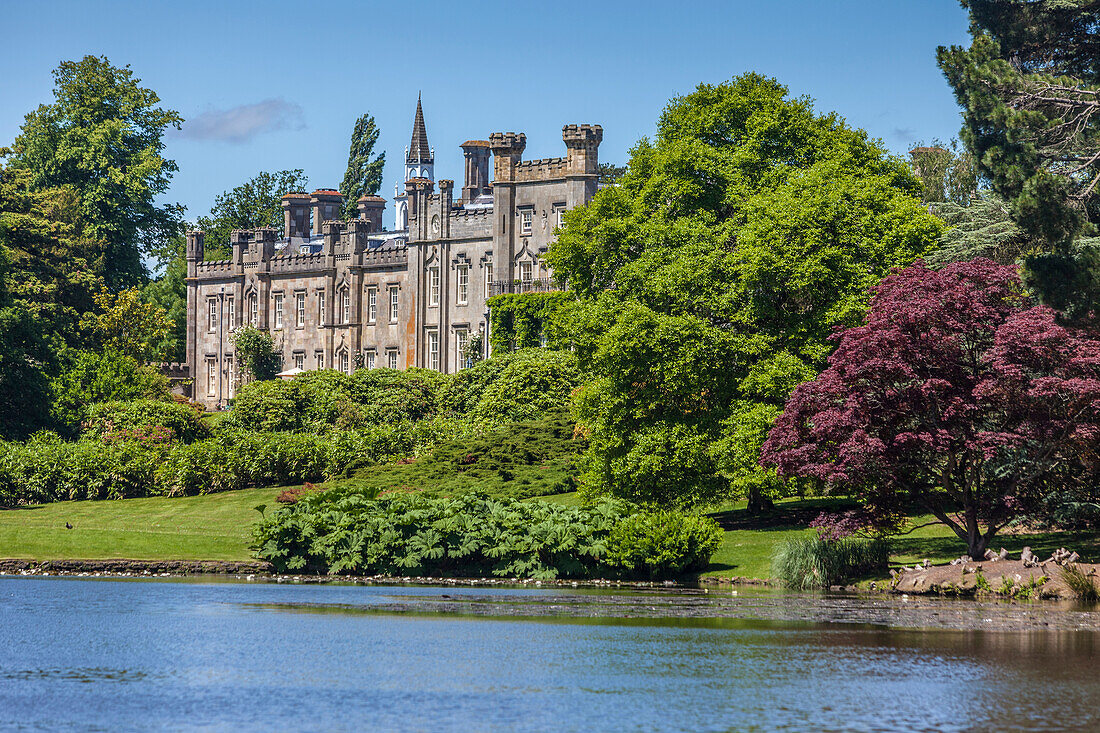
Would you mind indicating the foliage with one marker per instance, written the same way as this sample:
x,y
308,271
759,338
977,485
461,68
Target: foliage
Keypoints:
x,y
53,269
811,563
103,376
113,420
531,384
528,320
1028,85
1081,585
256,352
663,544
954,394
948,173
346,531
258,202
129,325
363,176
169,293
983,228
49,469
24,389
103,137
520,460
712,275
610,173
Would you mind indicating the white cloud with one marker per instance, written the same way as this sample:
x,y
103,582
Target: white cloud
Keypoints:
x,y
242,123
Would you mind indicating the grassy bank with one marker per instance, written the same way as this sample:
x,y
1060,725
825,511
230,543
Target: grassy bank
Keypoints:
x,y
217,527
210,527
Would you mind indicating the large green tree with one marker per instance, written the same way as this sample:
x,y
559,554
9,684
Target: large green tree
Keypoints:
x,y
711,278
1029,86
364,174
102,137
257,202
24,351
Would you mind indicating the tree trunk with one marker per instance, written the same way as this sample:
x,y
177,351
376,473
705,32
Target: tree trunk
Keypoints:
x,y
758,503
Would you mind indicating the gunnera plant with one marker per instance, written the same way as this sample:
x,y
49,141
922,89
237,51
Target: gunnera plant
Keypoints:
x,y
1081,585
811,563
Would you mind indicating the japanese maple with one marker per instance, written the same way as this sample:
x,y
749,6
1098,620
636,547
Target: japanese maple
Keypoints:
x,y
957,393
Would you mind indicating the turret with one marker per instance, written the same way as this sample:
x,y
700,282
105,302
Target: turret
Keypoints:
x,y
238,244
264,237
582,143
195,251
507,150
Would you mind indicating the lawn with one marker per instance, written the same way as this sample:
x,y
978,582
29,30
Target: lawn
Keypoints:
x,y
210,527
217,527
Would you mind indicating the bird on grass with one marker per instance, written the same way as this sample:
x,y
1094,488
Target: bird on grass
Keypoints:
x,y
68,526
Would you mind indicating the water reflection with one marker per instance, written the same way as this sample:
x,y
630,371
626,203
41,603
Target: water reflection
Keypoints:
x,y
80,655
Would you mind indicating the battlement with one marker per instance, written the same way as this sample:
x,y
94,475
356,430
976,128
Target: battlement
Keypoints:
x,y
574,135
508,143
541,169
213,268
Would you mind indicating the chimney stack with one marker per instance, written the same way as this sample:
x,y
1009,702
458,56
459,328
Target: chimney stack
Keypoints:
x,y
296,215
327,205
476,180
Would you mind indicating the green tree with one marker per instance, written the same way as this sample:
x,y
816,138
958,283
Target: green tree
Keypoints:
x,y
256,351
947,172
257,202
364,175
130,325
103,137
92,377
169,292
53,267
712,277
24,351
1028,85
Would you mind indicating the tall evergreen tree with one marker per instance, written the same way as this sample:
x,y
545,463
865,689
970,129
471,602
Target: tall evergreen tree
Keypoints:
x,y
1029,85
364,175
103,137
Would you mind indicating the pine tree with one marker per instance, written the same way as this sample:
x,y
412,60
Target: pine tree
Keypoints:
x,y
364,176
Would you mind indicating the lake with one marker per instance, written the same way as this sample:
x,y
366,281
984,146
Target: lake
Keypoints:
x,y
209,655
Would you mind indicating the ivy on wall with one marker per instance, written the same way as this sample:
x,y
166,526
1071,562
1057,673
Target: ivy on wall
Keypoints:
x,y
522,320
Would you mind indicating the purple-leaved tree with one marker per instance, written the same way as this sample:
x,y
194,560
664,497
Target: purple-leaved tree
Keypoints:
x,y
958,394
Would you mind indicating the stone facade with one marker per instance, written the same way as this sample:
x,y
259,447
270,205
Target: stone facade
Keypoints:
x,y
349,294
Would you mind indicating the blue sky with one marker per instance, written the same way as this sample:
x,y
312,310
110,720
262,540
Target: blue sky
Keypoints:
x,y
272,85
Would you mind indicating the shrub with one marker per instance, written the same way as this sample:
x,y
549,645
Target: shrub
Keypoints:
x,y
1081,585
345,531
533,383
104,376
810,563
44,471
116,420
663,544
394,394
273,405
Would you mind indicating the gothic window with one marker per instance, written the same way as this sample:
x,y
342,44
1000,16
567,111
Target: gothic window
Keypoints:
x,y
344,362
525,272
462,291
347,306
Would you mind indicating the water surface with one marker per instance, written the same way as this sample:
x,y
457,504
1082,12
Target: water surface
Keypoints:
x,y
146,655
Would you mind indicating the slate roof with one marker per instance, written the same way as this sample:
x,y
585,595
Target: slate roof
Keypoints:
x,y
419,152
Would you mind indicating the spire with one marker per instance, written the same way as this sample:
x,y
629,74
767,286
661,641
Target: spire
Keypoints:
x,y
419,152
